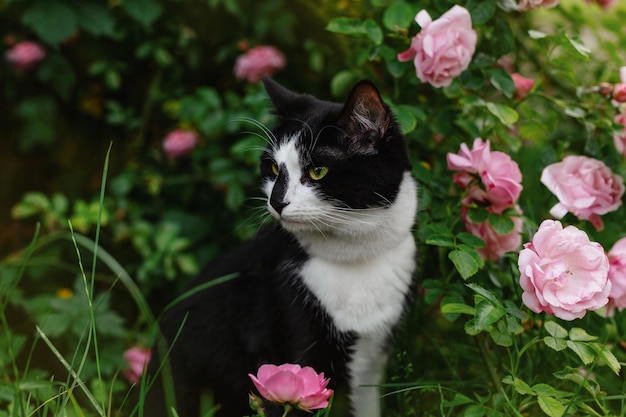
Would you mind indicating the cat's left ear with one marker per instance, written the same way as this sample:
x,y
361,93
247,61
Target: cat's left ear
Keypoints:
x,y
364,118
282,98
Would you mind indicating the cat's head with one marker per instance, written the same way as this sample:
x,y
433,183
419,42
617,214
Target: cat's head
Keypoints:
x,y
329,164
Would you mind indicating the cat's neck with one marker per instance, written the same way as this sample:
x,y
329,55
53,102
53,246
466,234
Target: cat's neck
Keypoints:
x,y
383,230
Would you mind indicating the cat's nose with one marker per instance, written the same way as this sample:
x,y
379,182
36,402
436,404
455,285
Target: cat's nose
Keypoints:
x,y
278,205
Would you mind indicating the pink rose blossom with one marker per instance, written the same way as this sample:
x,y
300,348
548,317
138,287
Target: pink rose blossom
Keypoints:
x,y
500,176
292,384
25,55
443,49
563,273
619,138
496,245
617,276
522,85
179,142
524,5
619,92
137,359
259,62
586,187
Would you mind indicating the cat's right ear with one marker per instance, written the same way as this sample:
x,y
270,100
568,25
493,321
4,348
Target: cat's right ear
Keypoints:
x,y
282,98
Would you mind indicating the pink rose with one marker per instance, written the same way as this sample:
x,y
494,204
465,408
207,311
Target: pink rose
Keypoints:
x,y
586,187
179,142
619,138
535,4
258,62
496,245
563,273
137,359
617,276
619,92
500,176
522,85
443,49
292,384
25,55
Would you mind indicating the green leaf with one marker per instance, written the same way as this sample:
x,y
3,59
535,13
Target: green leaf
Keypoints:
x,y
342,82
500,334
481,10
502,81
485,293
373,31
352,26
459,399
521,387
458,308
505,114
406,118
501,223
607,357
444,241
52,20
579,45
474,411
95,18
555,343
579,335
487,314
471,240
143,11
464,263
551,406
398,15
478,215
555,329
582,349
503,39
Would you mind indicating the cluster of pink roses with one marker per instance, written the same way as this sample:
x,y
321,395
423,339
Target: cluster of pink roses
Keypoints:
x,y
493,180
561,271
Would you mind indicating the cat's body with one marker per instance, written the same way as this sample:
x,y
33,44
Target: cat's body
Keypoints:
x,y
327,285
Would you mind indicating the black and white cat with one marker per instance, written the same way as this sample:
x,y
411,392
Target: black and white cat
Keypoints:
x,y
326,284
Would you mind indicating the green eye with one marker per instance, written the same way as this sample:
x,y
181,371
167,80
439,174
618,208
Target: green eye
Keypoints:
x,y
274,168
317,173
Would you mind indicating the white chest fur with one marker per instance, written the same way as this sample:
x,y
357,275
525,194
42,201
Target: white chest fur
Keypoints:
x,y
365,297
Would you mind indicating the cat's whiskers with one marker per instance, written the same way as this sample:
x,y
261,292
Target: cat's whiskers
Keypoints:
x,y
269,137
